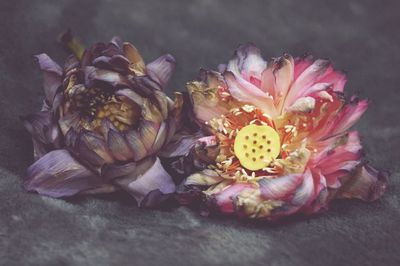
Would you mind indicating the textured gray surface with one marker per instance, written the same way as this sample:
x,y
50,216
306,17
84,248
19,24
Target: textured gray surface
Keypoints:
x,y
360,37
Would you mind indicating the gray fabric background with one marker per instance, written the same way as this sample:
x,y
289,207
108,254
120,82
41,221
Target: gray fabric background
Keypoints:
x,y
361,37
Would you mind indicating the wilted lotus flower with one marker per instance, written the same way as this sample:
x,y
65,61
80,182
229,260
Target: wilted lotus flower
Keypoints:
x,y
103,121
276,138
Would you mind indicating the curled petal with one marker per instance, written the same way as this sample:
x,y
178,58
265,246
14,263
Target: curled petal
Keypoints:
x,y
131,95
367,183
248,62
52,73
93,74
206,177
117,62
305,192
58,174
134,57
224,199
205,100
149,175
160,70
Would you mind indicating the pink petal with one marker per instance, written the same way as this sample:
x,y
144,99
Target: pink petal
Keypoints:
x,y
281,187
247,62
248,93
306,79
225,199
350,114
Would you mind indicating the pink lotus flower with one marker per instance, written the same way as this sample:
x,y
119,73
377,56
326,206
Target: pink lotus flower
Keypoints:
x,y
276,138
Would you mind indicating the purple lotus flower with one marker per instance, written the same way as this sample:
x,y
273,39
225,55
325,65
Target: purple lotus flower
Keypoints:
x,y
103,120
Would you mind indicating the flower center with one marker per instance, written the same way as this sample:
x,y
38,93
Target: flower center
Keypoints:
x,y
256,146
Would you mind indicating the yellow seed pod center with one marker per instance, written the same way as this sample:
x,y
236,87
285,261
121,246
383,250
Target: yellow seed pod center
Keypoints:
x,y
256,146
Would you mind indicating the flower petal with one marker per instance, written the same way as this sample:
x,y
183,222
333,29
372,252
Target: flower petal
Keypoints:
x,y
135,143
149,175
247,62
161,69
118,146
111,171
224,199
52,73
93,148
350,114
248,93
206,177
58,174
281,187
306,79
367,183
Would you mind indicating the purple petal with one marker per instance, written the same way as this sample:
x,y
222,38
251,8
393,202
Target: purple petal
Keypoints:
x,y
68,121
148,132
131,95
93,74
180,145
58,174
117,62
135,143
160,138
52,73
149,175
160,70
111,171
92,148
118,146
42,128
155,198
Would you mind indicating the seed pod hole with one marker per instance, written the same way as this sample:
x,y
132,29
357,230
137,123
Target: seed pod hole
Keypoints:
x,y
245,146
268,150
255,142
261,146
253,150
254,159
268,142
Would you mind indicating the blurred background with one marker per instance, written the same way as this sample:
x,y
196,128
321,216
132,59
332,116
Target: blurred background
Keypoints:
x,y
360,37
